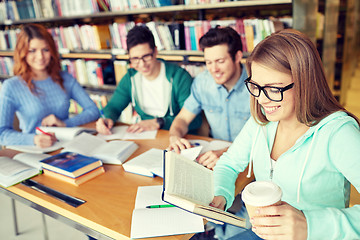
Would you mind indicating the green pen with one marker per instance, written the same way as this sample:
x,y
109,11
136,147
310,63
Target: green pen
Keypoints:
x,y
160,206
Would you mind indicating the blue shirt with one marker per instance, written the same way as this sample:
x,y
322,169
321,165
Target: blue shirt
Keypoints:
x,y
226,112
15,97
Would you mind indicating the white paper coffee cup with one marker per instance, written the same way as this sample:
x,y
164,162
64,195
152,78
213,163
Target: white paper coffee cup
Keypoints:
x,y
260,194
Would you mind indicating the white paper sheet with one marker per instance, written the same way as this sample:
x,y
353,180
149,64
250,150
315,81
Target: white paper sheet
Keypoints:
x,y
157,222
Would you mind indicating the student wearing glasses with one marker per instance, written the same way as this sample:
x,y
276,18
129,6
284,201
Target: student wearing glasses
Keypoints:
x,y
300,138
156,89
219,91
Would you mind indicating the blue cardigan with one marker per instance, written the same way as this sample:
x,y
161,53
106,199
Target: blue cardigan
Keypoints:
x,y
30,108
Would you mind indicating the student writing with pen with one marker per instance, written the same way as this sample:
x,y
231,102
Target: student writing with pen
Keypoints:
x,y
40,92
156,89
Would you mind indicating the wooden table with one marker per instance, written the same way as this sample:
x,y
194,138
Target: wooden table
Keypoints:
x,y
110,197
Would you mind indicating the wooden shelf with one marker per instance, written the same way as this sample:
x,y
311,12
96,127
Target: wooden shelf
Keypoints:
x,y
6,53
87,55
3,77
165,9
105,89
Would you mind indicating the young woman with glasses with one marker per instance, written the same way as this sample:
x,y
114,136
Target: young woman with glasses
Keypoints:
x,y
156,89
300,138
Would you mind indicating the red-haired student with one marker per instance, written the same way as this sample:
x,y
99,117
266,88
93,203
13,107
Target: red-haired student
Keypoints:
x,y
39,93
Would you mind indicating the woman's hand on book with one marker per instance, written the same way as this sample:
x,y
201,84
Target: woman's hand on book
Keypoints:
x,y
218,202
104,125
45,140
280,221
52,121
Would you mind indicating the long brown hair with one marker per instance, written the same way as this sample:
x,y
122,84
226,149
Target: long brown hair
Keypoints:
x,y
292,52
21,68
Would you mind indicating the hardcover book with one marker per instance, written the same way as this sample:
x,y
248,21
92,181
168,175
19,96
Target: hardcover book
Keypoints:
x,y
78,180
70,164
189,185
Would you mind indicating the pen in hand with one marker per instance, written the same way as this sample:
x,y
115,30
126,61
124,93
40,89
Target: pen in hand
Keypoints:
x,y
160,206
102,115
46,133
43,132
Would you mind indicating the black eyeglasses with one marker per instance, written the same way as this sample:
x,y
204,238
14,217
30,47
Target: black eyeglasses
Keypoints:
x,y
273,93
145,58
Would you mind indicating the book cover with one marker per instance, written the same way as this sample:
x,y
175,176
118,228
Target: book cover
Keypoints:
x,y
70,164
78,180
187,36
102,36
193,40
241,29
178,35
190,186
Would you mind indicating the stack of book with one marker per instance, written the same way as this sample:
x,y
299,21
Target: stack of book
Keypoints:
x,y
72,167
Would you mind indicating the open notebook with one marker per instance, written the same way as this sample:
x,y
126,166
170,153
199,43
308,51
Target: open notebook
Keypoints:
x,y
63,134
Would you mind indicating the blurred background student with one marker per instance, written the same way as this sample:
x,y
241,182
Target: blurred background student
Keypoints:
x,y
298,137
156,89
40,92
219,91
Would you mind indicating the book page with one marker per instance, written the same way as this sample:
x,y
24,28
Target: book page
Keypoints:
x,y
115,152
36,149
13,172
66,133
158,169
9,166
157,222
210,146
147,163
191,153
31,159
84,143
188,179
119,132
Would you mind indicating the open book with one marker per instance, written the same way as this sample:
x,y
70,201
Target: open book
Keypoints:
x,y
66,133
63,134
36,149
22,166
190,186
114,152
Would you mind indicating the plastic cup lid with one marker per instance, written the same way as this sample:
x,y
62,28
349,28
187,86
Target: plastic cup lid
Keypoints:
x,y
261,193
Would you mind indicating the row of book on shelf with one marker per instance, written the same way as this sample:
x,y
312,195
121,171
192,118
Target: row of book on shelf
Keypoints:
x,y
93,72
27,9
6,66
168,36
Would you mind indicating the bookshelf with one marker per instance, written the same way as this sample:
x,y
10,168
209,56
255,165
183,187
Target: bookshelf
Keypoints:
x,y
190,12
338,44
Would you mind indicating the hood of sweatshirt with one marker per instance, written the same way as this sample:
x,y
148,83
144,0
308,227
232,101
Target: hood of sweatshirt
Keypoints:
x,y
336,119
136,79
